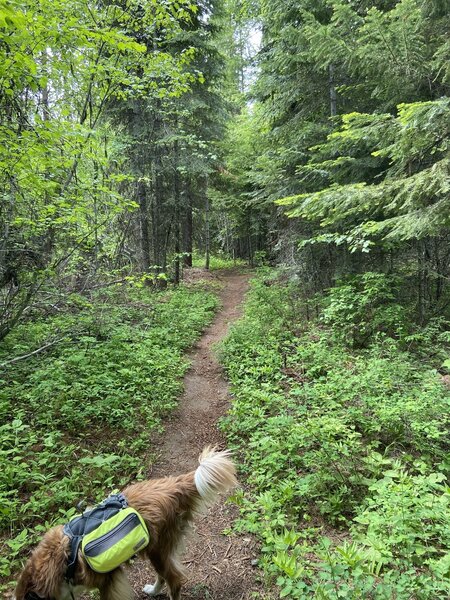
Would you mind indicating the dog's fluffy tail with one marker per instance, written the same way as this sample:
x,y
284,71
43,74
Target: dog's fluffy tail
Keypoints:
x,y
215,474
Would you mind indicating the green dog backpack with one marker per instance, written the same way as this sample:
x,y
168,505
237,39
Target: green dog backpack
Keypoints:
x,y
108,534
115,541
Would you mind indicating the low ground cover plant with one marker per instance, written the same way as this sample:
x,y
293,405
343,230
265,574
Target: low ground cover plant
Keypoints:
x,y
77,419
345,445
217,261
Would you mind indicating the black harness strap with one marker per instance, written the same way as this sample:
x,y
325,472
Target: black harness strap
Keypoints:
x,y
75,542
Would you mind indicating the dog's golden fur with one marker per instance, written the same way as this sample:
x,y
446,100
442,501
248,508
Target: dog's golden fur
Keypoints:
x,y
167,506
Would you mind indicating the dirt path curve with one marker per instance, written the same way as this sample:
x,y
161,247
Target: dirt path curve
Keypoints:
x,y
219,567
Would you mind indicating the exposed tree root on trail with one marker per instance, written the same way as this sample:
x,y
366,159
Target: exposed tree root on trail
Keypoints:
x,y
219,567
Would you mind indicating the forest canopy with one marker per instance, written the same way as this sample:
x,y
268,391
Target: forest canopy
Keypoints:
x,y
132,134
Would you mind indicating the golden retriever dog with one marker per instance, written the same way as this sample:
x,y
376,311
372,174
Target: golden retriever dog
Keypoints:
x,y
168,507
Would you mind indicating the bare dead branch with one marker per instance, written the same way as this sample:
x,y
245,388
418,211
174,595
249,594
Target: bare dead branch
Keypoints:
x,y
24,356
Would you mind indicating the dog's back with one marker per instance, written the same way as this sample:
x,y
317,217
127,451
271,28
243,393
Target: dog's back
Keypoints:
x,y
162,501
169,506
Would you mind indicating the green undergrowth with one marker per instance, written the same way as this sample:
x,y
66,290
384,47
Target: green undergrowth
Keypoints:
x,y
77,419
217,262
343,437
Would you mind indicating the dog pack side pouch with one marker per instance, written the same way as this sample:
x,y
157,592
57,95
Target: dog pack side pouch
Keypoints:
x,y
115,541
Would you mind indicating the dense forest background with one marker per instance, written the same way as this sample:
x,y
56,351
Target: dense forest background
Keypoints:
x,y
138,139
133,134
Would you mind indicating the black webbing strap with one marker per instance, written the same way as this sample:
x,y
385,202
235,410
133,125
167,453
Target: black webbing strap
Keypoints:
x,y
75,542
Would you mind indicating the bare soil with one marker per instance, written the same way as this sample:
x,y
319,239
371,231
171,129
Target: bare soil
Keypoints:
x,y
219,566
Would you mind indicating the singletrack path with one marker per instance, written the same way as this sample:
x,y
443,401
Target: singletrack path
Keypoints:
x,y
218,567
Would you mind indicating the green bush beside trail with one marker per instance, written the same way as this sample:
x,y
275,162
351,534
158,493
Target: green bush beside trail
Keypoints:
x,y
345,445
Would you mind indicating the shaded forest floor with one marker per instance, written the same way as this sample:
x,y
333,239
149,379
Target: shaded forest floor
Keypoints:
x,y
219,567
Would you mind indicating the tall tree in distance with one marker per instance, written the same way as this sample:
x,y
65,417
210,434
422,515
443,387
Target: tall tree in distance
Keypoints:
x,y
350,104
170,144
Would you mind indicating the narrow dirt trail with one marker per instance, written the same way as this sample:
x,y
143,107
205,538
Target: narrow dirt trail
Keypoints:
x,y
219,567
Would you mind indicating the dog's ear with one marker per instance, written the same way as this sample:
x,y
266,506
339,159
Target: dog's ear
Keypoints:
x,y
44,572
24,585
50,559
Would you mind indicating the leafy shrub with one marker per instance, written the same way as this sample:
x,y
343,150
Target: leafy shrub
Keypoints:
x,y
336,440
406,519
364,305
402,537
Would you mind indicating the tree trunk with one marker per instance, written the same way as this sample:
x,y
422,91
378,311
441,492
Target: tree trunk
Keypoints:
x,y
333,97
207,241
157,208
144,225
249,238
420,283
177,198
188,227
